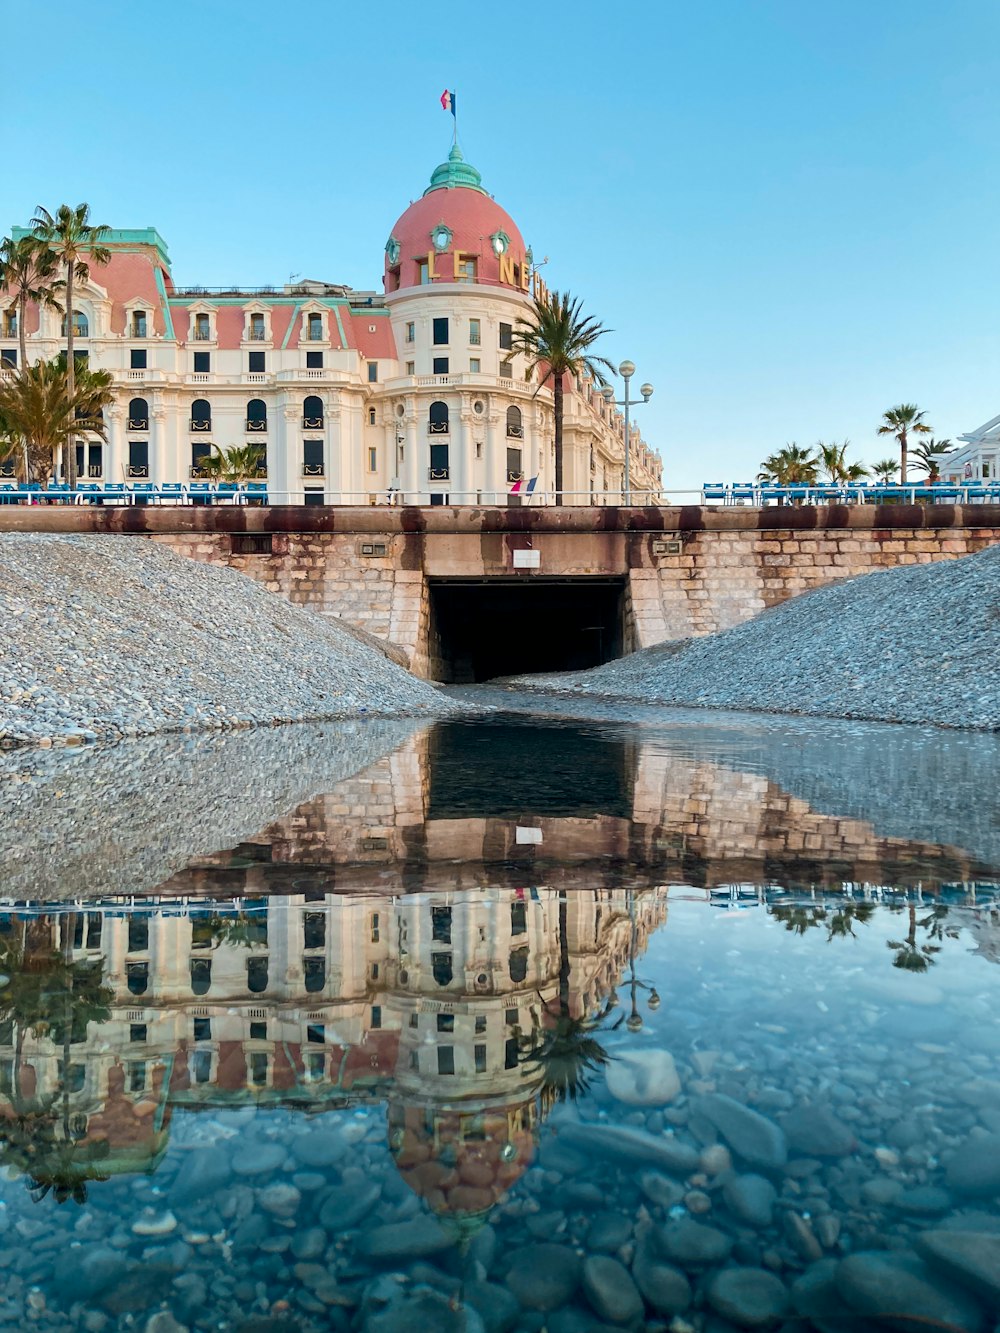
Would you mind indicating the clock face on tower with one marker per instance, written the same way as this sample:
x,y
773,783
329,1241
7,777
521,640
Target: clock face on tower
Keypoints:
x,y
392,250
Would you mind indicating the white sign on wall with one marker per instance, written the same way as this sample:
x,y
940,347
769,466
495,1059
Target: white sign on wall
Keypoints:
x,y
527,559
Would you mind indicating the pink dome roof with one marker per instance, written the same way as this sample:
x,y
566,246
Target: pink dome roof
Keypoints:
x,y
456,200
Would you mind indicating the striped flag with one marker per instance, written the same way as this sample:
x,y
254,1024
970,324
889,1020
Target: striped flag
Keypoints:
x,y
517,486
448,102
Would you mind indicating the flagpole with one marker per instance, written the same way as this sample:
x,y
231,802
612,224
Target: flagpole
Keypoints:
x,y
454,116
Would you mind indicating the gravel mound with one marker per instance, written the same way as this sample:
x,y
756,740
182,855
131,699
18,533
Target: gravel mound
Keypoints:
x,y
103,637
919,643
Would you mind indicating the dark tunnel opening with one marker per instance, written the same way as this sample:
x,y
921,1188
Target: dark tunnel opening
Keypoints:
x,y
480,629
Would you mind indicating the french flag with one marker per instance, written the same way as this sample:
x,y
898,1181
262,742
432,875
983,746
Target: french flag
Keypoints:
x,y
448,102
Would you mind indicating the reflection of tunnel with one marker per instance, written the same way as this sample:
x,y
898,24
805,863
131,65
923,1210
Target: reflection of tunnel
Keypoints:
x,y
498,627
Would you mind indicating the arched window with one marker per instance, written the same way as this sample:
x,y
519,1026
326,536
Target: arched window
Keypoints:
x,y
256,415
81,325
256,975
441,967
438,419
137,978
514,428
201,415
518,965
138,414
201,975
312,413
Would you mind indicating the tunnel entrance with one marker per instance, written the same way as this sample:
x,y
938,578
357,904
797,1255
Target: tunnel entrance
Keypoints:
x,y
483,628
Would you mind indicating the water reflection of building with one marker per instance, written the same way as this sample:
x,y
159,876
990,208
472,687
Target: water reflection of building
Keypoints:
x,y
427,1001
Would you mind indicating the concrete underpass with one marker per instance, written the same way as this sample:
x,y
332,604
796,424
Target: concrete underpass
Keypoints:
x,y
483,628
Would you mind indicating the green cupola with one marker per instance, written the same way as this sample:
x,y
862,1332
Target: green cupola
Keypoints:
x,y
455,172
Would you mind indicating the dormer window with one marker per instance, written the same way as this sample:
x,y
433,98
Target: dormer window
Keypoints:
x,y
81,325
10,323
202,327
314,326
257,331
139,324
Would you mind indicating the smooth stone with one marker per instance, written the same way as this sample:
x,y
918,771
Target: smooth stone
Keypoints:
x,y
280,1199
259,1160
975,1167
164,1322
344,1208
88,1273
686,1242
422,1311
749,1297
609,1288
643,1078
815,1297
665,1288
902,1290
972,1258
544,1277
814,1131
206,1171
750,1199
498,1308
608,1232
659,1189
882,1191
751,1136
318,1147
923,1201
415,1239
622,1143
308,1244
154,1224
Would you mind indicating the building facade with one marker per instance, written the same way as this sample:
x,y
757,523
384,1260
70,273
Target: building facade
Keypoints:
x,y
412,394
977,457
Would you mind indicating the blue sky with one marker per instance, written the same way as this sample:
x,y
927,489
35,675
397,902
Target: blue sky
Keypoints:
x,y
785,210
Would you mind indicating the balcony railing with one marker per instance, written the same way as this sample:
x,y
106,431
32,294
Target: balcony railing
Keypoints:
x,y
313,470
437,428
136,374
256,377
256,336
200,425
312,423
202,335
315,336
137,470
95,470
514,475
138,331
138,423
438,473
200,377
194,471
515,432
256,426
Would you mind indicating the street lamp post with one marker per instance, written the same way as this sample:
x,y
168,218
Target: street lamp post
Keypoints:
x,y
627,370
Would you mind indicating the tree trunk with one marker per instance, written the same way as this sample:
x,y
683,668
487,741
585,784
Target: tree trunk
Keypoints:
x,y
557,406
69,447
564,967
903,459
22,343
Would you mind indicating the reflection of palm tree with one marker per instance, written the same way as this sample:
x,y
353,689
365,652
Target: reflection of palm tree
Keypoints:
x,y
799,917
841,922
47,993
911,956
568,1053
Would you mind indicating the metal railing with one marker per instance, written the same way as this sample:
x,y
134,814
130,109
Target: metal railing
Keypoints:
x,y
312,423
199,424
202,336
438,473
138,423
313,470
256,427
256,335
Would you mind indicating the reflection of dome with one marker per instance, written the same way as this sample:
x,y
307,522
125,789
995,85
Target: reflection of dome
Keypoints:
x,y
461,1163
468,219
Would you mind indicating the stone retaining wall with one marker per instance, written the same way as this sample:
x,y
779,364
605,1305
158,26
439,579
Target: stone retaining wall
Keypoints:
x,y
688,571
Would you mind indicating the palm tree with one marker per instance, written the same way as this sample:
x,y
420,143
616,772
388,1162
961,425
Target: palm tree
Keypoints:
x,y
902,421
238,463
27,270
73,240
789,466
832,459
38,406
559,337
884,472
928,452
